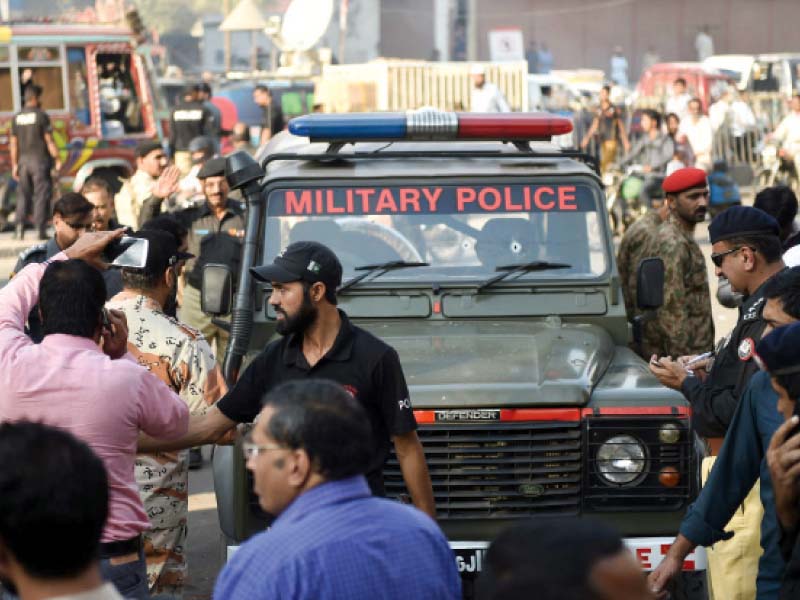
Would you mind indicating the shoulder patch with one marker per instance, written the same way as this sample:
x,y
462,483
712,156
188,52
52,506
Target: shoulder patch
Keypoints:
x,y
754,311
746,349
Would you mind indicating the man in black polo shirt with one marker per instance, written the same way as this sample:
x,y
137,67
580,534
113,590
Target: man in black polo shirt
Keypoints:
x,y
33,154
320,342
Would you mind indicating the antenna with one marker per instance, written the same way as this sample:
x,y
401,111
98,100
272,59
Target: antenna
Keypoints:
x,y
304,23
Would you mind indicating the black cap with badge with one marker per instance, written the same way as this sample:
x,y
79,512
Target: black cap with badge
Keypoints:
x,y
303,261
741,221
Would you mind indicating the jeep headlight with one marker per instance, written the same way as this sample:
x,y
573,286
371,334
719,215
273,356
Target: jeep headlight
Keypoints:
x,y
621,460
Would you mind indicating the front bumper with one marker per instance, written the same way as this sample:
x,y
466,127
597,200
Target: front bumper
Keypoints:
x,y
650,551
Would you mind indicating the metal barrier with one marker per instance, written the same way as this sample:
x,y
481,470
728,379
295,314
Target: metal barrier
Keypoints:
x,y
397,85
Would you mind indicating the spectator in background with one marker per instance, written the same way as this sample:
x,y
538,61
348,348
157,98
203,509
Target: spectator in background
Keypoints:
x,y
619,68
532,57
696,127
240,137
678,101
788,133
154,181
485,96
780,202
183,360
561,559
37,386
213,126
650,58
683,151
53,505
191,118
72,218
98,191
190,189
610,130
545,59
272,121
308,453
704,43
33,154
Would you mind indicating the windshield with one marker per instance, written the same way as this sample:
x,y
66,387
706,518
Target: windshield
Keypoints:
x,y
464,232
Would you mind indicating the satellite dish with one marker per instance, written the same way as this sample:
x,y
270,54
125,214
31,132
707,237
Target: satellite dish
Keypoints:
x,y
304,23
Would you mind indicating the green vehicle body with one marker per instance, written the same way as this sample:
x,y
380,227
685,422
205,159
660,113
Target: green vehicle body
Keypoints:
x,y
516,386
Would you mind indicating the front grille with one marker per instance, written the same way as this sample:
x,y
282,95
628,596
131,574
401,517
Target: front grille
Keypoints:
x,y
496,471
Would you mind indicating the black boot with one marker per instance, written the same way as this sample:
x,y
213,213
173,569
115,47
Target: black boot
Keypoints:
x,y
43,232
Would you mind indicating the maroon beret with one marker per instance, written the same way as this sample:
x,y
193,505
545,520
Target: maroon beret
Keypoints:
x,y
684,179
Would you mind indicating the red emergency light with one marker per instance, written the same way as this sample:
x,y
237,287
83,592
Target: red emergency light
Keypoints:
x,y
429,125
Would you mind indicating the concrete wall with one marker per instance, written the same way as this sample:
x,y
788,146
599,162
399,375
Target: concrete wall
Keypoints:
x,y
407,29
583,33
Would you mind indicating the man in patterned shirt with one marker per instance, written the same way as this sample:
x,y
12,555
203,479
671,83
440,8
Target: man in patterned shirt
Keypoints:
x,y
683,325
181,358
632,249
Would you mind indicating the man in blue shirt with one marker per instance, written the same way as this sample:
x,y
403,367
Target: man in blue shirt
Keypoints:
x,y
742,459
332,539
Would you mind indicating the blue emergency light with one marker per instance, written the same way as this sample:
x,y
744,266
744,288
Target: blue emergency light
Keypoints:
x,y
430,125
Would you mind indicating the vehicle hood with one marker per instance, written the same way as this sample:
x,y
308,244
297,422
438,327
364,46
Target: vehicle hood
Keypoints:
x,y
474,364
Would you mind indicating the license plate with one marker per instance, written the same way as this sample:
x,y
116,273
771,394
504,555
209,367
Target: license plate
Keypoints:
x,y
651,551
469,558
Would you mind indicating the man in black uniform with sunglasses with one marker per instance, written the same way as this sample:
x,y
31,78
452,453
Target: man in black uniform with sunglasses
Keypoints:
x,y
747,250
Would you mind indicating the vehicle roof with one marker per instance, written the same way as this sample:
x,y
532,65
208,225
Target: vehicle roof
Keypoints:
x,y
778,56
63,32
690,67
457,166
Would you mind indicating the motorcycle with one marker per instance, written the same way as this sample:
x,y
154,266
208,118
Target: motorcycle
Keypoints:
x,y
777,168
625,191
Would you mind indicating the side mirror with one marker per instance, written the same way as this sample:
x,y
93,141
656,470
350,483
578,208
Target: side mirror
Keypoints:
x,y
216,295
650,284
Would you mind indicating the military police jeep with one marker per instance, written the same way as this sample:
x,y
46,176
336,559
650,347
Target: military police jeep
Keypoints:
x,y
484,256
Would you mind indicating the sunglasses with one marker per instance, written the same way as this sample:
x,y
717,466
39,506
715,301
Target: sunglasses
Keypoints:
x,y
719,257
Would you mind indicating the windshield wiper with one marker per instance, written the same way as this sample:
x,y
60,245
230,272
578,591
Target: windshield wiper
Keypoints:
x,y
379,269
508,270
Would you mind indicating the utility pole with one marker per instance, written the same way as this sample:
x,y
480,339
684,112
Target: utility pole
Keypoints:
x,y
472,29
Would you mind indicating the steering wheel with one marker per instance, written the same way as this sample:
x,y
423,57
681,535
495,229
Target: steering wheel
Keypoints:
x,y
399,246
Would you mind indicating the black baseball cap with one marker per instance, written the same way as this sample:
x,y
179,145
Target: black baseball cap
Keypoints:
x,y
162,250
303,261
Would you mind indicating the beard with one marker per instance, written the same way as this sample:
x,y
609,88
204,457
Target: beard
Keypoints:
x,y
299,322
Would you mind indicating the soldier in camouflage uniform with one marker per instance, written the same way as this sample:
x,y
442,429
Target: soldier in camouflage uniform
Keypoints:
x,y
684,324
632,251
181,358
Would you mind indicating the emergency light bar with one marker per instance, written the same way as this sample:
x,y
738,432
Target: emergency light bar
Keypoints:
x,y
429,125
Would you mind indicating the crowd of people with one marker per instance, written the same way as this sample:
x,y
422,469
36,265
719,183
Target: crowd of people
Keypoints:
x,y
739,387
94,502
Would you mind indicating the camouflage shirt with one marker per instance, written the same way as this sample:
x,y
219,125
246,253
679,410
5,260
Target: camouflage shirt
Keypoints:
x,y
632,249
181,358
684,324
